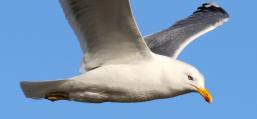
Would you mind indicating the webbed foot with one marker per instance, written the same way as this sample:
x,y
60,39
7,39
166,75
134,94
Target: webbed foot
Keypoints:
x,y
55,96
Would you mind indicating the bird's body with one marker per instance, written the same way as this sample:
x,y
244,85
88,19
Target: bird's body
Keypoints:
x,y
124,82
118,65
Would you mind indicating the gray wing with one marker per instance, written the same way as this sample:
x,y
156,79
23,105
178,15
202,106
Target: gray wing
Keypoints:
x,y
106,30
170,42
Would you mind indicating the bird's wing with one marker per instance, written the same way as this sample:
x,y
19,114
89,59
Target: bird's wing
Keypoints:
x,y
106,31
170,42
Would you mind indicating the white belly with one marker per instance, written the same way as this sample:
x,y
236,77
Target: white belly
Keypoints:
x,y
121,83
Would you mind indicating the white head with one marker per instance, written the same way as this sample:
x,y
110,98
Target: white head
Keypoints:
x,y
188,79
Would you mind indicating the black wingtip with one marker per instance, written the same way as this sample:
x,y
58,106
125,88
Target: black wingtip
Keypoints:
x,y
210,7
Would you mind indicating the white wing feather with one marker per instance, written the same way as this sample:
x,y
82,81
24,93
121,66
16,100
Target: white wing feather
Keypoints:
x,y
106,31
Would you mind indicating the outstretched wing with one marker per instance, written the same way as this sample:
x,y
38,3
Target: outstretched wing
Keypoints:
x,y
106,31
171,41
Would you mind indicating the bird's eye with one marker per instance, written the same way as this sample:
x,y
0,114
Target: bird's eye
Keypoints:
x,y
190,78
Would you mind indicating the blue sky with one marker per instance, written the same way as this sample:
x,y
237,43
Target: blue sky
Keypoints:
x,y
38,44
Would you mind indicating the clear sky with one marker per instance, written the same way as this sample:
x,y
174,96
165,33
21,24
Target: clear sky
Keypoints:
x,y
36,43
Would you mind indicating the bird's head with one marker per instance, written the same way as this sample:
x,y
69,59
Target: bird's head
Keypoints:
x,y
195,82
191,80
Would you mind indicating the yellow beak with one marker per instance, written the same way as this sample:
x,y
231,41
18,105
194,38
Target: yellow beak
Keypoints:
x,y
206,95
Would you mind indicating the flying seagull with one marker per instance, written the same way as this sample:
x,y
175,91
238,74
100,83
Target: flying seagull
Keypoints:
x,y
119,65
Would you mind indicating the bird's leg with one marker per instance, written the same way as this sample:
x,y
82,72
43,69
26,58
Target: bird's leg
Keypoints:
x,y
55,96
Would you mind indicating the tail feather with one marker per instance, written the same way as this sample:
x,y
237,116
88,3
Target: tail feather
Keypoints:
x,y
38,90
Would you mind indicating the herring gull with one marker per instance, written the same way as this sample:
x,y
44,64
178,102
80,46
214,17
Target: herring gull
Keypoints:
x,y
119,65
